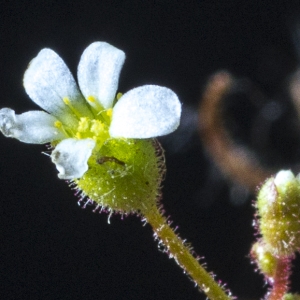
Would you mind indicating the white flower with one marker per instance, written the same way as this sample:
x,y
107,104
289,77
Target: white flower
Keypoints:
x,y
77,121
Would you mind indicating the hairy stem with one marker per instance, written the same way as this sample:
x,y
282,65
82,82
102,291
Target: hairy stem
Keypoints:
x,y
280,281
181,253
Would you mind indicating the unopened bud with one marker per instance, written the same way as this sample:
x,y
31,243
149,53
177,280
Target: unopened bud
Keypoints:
x,y
278,205
291,297
264,259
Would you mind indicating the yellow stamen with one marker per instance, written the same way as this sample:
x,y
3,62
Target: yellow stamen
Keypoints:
x,y
61,127
91,99
119,95
58,124
68,103
109,112
94,103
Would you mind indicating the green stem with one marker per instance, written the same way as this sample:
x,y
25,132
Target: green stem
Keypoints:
x,y
183,256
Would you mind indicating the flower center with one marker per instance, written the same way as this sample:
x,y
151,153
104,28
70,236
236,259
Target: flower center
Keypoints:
x,y
96,128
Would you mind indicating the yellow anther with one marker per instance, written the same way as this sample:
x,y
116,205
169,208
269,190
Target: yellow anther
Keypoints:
x,y
91,98
109,112
78,135
119,95
57,124
94,103
66,100
83,124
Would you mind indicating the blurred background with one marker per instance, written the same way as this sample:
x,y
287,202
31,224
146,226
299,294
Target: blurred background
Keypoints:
x,y
53,249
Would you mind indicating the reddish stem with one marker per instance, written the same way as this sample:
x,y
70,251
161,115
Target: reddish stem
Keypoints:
x,y
280,281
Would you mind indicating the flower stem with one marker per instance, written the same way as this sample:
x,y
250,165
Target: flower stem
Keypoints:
x,y
280,280
183,256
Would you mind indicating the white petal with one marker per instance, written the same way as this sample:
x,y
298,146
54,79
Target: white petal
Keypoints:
x,y
34,127
283,178
146,112
70,157
98,73
48,81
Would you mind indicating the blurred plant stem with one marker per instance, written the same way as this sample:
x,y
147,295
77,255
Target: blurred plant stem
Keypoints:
x,y
235,161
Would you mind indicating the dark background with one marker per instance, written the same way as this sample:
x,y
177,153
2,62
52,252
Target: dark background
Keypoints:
x,y
52,249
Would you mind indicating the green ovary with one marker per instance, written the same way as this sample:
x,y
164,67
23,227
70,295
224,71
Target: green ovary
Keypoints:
x,y
123,175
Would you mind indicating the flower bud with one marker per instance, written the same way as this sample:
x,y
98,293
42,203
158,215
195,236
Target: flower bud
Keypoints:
x,y
264,259
278,205
291,297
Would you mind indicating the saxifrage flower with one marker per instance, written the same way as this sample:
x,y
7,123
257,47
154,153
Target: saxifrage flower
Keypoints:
x,y
78,122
